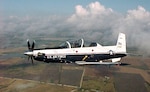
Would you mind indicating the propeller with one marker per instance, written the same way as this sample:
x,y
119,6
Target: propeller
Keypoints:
x,y
30,52
30,48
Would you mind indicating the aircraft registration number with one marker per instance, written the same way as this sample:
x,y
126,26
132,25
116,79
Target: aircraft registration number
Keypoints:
x,y
56,56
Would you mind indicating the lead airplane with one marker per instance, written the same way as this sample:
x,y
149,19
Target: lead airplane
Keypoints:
x,y
77,52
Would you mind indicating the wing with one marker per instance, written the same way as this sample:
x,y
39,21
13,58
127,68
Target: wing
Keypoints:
x,y
96,63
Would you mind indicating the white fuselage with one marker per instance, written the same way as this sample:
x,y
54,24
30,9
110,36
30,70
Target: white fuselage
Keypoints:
x,y
76,51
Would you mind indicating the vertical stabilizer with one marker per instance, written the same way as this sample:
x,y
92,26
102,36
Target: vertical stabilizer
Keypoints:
x,y
121,43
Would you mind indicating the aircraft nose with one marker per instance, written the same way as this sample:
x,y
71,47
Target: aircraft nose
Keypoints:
x,y
28,53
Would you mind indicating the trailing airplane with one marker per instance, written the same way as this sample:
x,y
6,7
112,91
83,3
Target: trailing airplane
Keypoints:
x,y
77,52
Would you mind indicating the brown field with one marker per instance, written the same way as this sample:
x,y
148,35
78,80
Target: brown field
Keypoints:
x,y
138,65
124,83
131,70
18,85
137,62
10,50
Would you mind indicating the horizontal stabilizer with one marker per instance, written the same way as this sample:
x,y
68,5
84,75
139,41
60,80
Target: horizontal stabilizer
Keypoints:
x,y
96,63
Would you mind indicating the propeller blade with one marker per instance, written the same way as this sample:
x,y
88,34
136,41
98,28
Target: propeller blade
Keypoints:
x,y
32,60
33,45
28,43
28,58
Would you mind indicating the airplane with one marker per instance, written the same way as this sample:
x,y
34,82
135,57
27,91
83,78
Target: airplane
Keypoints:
x,y
77,52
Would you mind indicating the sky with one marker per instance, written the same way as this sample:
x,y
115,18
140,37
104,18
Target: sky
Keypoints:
x,y
45,7
100,20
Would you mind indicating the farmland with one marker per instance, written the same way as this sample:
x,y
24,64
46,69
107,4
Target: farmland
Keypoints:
x,y
125,82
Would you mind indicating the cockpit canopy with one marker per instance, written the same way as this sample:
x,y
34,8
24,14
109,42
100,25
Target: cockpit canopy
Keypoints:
x,y
78,44
73,44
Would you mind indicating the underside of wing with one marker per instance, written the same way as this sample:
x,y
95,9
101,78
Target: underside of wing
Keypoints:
x,y
96,63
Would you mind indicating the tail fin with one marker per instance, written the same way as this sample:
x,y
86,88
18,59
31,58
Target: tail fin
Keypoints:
x,y
121,43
